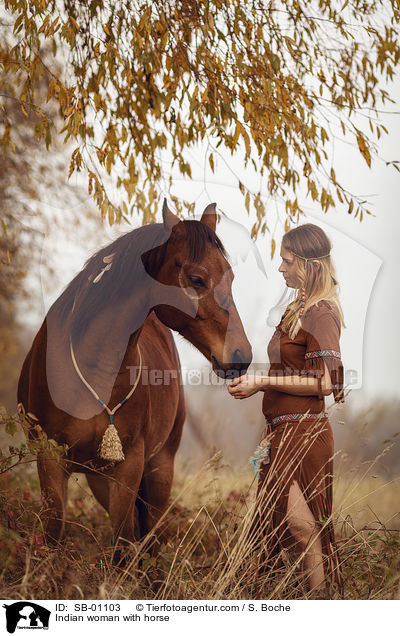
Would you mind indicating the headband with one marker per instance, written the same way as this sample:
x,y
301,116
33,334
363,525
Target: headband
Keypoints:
x,y
310,258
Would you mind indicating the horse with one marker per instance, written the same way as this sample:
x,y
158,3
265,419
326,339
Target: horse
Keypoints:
x,y
107,341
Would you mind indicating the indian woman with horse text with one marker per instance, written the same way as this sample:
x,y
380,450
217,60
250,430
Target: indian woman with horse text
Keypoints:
x,y
294,461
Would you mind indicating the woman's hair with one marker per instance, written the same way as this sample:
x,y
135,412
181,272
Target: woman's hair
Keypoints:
x,y
310,246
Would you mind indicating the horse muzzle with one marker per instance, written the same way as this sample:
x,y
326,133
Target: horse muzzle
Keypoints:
x,y
236,367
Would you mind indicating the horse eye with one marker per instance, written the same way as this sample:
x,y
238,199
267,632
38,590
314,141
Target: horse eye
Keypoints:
x,y
196,281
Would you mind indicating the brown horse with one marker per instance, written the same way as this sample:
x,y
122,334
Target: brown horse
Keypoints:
x,y
117,313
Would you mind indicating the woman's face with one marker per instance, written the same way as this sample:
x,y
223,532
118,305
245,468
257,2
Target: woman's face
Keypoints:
x,y
288,269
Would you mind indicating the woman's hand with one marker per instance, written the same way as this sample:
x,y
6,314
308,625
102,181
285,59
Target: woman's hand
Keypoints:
x,y
243,387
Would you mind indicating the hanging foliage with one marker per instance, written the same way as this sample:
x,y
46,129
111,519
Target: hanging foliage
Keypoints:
x,y
272,82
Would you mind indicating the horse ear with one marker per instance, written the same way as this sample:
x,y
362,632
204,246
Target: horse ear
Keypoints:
x,y
209,216
169,218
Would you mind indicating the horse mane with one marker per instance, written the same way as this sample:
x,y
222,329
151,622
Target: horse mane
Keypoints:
x,y
135,254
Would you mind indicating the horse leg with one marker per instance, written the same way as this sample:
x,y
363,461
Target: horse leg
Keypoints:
x,y
100,487
157,482
53,477
155,490
123,490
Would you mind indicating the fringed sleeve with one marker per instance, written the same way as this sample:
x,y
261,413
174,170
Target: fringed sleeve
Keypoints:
x,y
322,329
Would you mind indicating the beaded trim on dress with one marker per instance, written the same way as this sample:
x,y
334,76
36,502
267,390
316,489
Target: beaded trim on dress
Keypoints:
x,y
294,417
323,353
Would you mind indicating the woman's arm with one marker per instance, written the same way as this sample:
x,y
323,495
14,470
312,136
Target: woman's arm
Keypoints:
x,y
247,385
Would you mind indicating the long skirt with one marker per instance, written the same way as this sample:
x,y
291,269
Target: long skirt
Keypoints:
x,y
303,452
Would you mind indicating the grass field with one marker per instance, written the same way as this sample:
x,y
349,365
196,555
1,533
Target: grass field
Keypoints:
x,y
207,554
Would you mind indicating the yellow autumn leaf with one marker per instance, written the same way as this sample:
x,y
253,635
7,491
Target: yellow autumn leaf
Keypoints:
x,y
362,144
236,135
69,111
111,214
247,202
74,22
246,138
339,196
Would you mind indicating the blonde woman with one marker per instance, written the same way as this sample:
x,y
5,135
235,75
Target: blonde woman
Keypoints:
x,y
294,460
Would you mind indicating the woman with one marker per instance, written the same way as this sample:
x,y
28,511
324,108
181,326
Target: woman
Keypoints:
x,y
294,459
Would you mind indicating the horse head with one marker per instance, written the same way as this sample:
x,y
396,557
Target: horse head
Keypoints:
x,y
200,306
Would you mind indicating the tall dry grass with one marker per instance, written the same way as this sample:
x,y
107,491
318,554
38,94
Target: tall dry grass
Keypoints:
x,y
209,549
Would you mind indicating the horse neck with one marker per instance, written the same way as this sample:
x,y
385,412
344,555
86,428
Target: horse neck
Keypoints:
x,y
102,349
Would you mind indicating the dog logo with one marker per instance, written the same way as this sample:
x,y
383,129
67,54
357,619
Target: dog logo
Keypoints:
x,y
26,615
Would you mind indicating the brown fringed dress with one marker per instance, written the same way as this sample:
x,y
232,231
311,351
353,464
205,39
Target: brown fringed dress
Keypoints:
x,y
300,434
